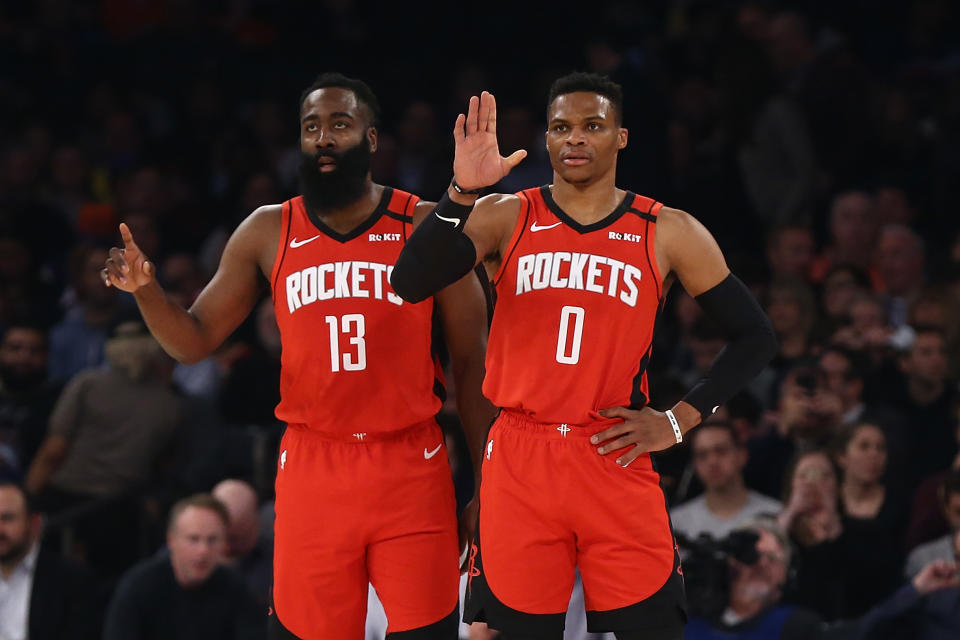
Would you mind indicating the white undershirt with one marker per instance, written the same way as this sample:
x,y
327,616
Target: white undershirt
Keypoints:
x,y
15,598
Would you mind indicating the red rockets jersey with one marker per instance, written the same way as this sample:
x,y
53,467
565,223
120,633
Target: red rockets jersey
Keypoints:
x,y
573,323
356,357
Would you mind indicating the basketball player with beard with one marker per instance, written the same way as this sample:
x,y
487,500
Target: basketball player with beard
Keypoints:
x,y
364,491
581,269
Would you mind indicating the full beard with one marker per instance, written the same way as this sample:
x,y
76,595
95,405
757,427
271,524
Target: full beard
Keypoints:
x,y
325,192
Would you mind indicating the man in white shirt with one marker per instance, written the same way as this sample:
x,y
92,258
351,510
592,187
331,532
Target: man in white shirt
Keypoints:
x,y
726,504
18,558
42,596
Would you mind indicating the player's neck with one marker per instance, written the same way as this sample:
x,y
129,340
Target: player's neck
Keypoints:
x,y
347,218
587,203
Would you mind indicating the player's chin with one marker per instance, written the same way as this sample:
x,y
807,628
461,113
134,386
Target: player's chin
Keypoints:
x,y
577,175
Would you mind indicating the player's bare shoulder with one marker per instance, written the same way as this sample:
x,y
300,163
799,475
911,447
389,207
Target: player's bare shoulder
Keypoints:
x,y
686,248
258,236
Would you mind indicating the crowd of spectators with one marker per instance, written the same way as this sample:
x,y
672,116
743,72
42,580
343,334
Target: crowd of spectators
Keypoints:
x,y
817,141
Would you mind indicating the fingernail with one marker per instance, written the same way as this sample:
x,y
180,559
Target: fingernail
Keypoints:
x,y
594,439
601,451
123,280
125,268
620,462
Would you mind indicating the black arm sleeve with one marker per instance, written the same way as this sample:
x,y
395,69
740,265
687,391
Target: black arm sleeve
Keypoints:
x,y
437,254
752,344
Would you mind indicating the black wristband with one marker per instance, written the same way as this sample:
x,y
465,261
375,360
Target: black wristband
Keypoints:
x,y
459,189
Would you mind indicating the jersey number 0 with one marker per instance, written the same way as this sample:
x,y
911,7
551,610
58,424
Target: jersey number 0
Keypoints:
x,y
573,357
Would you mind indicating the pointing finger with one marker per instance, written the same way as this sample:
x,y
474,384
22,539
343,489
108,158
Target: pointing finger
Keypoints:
x,y
127,236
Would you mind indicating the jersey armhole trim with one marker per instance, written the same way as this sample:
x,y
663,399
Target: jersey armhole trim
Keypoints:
x,y
650,237
515,237
286,222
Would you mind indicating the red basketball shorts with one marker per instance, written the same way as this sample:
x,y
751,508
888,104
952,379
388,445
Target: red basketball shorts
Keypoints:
x,y
549,503
353,509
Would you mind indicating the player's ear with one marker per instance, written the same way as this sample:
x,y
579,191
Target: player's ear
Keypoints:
x,y
622,138
372,137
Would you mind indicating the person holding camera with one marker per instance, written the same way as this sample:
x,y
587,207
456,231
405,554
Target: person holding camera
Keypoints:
x,y
756,578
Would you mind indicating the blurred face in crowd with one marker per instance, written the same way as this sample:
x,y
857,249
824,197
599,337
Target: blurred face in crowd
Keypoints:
x,y
764,580
864,459
23,358
337,139
583,136
839,290
18,529
866,314
791,252
241,502
814,473
717,459
796,405
899,259
852,224
835,375
197,541
927,360
785,312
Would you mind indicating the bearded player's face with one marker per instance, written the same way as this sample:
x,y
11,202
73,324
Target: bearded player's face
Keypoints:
x,y
583,137
336,141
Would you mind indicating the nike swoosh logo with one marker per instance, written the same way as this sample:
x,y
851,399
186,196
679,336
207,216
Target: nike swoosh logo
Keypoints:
x,y
454,221
294,244
429,454
534,227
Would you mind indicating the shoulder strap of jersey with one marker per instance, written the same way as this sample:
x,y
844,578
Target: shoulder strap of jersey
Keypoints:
x,y
648,209
401,204
286,209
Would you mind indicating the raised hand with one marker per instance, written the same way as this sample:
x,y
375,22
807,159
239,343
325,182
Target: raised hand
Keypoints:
x,y
477,162
127,269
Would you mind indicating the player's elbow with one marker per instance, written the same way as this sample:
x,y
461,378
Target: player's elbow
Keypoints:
x,y
406,280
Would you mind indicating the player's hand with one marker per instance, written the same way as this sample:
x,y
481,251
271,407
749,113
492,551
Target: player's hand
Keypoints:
x,y
939,574
647,429
477,162
468,527
127,269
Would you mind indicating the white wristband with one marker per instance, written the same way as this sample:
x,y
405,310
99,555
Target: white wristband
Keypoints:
x,y
676,425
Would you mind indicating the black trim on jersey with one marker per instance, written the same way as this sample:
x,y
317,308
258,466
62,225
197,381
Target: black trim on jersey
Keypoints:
x,y
398,216
283,254
523,229
638,399
379,211
612,217
646,250
646,215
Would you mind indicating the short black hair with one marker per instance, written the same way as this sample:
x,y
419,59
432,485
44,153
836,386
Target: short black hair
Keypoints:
x,y
360,89
590,83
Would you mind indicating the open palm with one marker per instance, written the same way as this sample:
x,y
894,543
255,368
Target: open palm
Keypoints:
x,y
477,162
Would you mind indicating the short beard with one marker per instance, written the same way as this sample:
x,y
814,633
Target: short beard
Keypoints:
x,y
19,381
326,192
16,552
